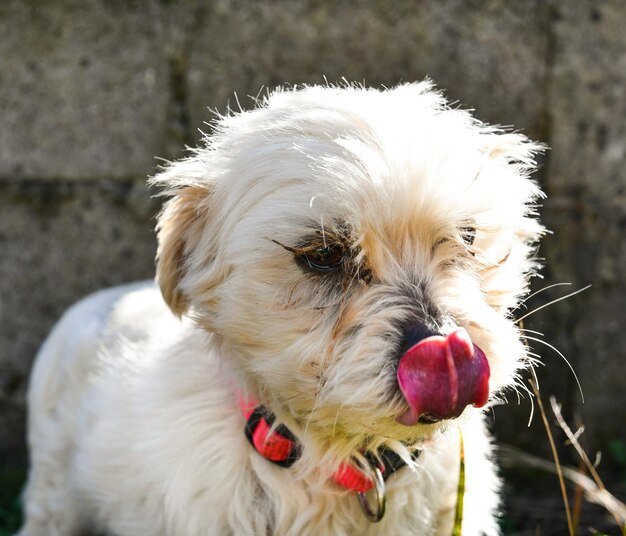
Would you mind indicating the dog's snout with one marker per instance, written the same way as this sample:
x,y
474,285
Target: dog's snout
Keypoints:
x,y
439,376
414,332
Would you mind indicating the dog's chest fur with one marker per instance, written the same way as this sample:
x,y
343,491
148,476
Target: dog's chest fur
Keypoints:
x,y
184,440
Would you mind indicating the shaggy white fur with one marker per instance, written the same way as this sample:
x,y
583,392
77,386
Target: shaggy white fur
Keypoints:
x,y
428,214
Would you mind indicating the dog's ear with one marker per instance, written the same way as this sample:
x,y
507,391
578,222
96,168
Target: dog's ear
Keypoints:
x,y
179,226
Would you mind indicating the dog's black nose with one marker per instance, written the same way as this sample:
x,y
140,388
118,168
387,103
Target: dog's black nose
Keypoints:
x,y
414,331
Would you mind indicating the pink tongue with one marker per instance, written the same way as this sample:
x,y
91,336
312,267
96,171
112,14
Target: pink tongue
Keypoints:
x,y
439,376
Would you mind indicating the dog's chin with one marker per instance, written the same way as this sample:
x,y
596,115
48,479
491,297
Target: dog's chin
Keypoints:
x,y
410,436
361,434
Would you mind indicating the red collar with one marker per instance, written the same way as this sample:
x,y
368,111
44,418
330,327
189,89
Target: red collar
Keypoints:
x,y
281,447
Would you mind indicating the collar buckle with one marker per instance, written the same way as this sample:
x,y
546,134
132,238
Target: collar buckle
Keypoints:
x,y
278,445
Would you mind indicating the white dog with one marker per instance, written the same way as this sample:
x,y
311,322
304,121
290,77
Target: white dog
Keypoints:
x,y
337,269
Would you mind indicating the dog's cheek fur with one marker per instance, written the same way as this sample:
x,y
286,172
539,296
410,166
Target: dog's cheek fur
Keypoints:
x,y
302,362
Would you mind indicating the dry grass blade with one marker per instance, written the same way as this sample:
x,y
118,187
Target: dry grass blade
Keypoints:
x,y
512,457
555,455
620,518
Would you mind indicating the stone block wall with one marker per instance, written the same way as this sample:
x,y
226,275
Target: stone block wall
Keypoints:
x,y
92,91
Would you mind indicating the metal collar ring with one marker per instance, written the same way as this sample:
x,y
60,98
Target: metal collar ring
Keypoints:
x,y
375,475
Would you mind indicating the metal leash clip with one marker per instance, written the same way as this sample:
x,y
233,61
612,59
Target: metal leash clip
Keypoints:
x,y
376,476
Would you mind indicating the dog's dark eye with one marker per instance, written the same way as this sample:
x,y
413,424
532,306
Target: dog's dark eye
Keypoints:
x,y
324,258
468,234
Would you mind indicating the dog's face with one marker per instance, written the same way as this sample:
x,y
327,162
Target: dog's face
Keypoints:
x,y
324,234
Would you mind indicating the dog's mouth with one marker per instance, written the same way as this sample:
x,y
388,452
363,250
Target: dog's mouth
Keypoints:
x,y
439,376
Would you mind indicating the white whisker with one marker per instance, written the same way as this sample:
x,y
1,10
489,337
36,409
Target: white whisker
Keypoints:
x,y
552,302
316,403
532,405
534,359
532,331
564,359
532,396
544,289
536,380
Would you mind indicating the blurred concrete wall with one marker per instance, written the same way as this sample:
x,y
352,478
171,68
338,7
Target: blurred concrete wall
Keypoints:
x,y
91,91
